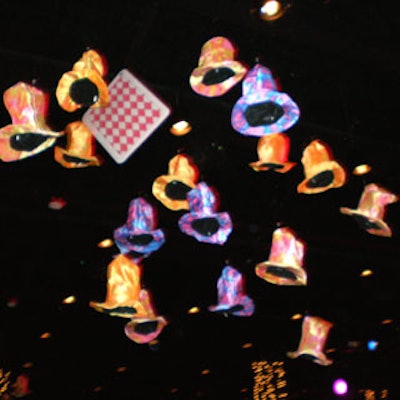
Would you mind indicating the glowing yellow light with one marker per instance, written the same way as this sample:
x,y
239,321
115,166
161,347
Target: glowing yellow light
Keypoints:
x,y
361,169
247,345
296,316
270,8
69,300
194,310
180,128
105,243
45,335
366,272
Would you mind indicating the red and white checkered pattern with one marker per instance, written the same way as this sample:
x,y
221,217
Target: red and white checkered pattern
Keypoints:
x,y
132,115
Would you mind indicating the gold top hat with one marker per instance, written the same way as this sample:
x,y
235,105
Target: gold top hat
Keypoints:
x,y
84,86
321,171
123,289
284,266
372,209
217,71
314,336
273,152
28,134
171,189
79,152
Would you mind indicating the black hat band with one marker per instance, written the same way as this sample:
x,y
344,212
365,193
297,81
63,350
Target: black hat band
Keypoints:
x,y
144,328
26,141
177,190
265,113
281,272
365,223
205,226
217,75
140,240
84,92
322,179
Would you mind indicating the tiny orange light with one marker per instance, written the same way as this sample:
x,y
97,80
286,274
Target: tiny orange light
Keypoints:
x,y
69,300
361,169
194,310
121,369
247,345
180,128
45,335
205,372
366,272
105,243
296,316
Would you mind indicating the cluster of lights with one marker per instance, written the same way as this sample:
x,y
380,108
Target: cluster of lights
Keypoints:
x,y
4,381
269,380
369,394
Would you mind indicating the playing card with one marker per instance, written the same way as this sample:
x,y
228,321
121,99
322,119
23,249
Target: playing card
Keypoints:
x,y
133,113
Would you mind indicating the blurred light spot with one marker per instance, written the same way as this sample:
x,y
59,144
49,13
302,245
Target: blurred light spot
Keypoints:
x,y
340,387
296,316
45,335
121,369
174,390
247,345
56,203
180,128
361,169
366,272
372,345
205,372
386,321
97,389
12,302
353,344
105,243
194,310
69,300
28,364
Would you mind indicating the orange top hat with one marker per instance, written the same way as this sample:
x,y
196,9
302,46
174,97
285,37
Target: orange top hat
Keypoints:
x,y
372,209
171,190
217,71
145,327
79,152
321,171
313,339
84,86
123,289
284,266
273,152
28,134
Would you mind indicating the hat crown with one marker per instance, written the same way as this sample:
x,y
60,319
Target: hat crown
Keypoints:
x,y
316,152
216,50
374,200
141,216
274,148
230,285
259,78
27,105
80,139
91,60
182,167
286,249
202,199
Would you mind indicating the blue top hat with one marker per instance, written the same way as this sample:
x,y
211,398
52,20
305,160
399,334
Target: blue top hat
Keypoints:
x,y
138,238
203,222
262,109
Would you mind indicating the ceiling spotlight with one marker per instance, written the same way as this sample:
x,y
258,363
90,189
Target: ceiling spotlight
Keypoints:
x,y
271,10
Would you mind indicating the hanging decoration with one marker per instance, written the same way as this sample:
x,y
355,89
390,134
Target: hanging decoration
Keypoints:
x,y
28,134
232,299
371,210
172,189
262,109
285,262
203,222
321,171
217,71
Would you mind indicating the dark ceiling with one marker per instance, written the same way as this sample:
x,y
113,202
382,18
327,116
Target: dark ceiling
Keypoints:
x,y
339,61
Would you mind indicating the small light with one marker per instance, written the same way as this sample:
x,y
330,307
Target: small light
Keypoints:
x,y
386,321
372,345
180,128
56,203
121,369
194,310
340,387
361,169
294,317
366,272
105,243
272,10
205,372
247,345
45,335
69,300
97,389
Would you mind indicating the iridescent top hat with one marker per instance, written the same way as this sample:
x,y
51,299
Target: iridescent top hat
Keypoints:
x,y
217,71
313,339
147,326
139,237
172,189
273,152
123,289
203,222
262,109
80,149
28,134
321,171
232,299
372,209
84,86
285,262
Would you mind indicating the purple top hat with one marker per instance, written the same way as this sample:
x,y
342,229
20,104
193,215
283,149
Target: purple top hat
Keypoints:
x,y
138,238
262,109
231,296
203,222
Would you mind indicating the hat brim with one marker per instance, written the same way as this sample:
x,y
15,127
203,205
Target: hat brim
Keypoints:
x,y
114,310
218,89
159,191
72,160
291,113
318,358
140,338
243,307
219,237
282,168
289,275
339,178
377,226
7,153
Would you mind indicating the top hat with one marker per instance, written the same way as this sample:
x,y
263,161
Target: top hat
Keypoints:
x,y
231,296
285,262
262,109
203,222
79,152
138,238
84,86
145,327
321,171
28,134
172,189
372,209
217,71
123,289
314,335
273,152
